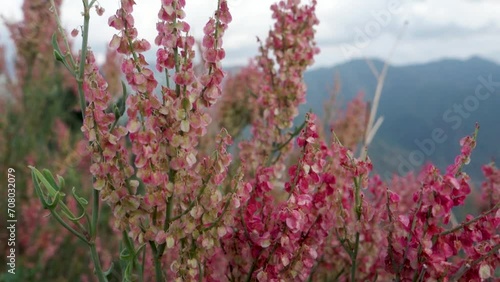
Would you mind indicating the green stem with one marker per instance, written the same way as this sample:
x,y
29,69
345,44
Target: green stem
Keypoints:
x,y
95,213
63,34
141,277
158,272
292,135
81,71
357,209
97,263
80,79
66,210
131,249
219,218
69,228
354,258
252,269
166,225
357,198
194,201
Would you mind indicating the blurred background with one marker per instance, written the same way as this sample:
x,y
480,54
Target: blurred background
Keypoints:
x,y
443,76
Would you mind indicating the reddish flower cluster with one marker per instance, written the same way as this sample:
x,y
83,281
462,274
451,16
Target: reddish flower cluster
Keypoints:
x,y
106,144
491,187
281,89
204,220
421,245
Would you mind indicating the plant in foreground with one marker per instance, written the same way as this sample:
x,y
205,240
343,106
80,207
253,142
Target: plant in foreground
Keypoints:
x,y
189,214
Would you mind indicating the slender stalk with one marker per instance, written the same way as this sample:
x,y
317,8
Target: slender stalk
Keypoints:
x,y
95,193
370,128
292,135
68,227
95,214
354,258
357,197
81,70
357,210
97,263
252,269
131,249
141,277
466,267
219,218
158,272
470,221
194,201
63,34
80,75
166,225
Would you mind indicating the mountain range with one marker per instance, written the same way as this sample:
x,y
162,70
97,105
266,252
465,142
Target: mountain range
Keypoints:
x,y
427,108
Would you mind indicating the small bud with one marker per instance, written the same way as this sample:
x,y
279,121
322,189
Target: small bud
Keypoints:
x,y
99,10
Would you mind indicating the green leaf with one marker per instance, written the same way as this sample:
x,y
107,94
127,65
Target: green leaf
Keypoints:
x,y
55,201
48,175
80,200
123,102
186,104
81,203
116,111
58,56
125,255
139,249
61,181
49,186
127,274
55,45
108,272
38,189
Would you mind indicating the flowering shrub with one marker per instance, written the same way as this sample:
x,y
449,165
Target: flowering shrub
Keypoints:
x,y
286,204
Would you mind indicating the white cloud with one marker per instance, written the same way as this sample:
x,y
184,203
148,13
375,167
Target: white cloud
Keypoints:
x,y
437,29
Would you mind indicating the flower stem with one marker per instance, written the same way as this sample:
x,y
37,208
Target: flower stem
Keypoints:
x,y
354,258
68,227
95,213
97,263
444,233
158,272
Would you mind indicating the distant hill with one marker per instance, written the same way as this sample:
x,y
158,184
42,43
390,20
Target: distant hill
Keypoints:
x,y
417,100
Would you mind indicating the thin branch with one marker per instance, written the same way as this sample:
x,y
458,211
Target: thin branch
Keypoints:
x,y
378,92
372,67
466,267
444,233
374,130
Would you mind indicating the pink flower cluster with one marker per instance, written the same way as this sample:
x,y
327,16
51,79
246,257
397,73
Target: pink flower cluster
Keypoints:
x,y
169,194
283,59
422,247
265,217
491,187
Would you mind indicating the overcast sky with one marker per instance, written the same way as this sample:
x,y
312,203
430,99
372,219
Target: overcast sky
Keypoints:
x,y
348,28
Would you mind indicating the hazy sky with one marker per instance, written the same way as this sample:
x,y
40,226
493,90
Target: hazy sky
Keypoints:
x,y
348,28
